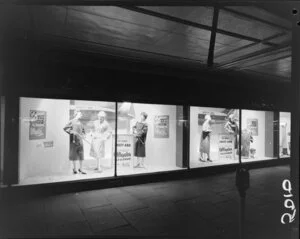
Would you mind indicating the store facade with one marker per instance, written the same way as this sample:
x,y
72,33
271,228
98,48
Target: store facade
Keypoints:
x,y
151,124
117,139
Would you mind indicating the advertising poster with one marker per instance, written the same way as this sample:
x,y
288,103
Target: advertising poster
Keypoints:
x,y
253,126
226,144
37,127
125,149
161,126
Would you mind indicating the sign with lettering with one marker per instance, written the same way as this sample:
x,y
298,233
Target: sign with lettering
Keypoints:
x,y
161,126
48,144
226,146
252,125
37,126
125,149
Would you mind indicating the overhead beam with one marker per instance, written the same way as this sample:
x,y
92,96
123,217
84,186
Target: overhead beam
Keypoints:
x,y
253,18
194,24
251,45
250,56
210,59
265,62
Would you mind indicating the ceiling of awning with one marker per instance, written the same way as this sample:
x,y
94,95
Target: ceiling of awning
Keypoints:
x,y
248,38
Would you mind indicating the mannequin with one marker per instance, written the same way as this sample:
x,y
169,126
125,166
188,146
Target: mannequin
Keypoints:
x,y
100,133
246,140
205,139
140,130
231,127
76,131
283,138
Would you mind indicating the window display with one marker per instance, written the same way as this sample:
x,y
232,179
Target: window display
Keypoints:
x,y
64,140
285,135
149,138
258,135
2,123
214,136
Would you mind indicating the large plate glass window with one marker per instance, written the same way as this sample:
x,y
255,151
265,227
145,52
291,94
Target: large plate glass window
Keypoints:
x,y
285,135
65,140
214,136
150,138
259,135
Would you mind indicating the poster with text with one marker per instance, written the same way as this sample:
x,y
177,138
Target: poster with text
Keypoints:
x,y
161,126
253,126
125,149
226,144
37,127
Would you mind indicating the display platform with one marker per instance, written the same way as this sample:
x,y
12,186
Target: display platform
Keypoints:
x,y
147,169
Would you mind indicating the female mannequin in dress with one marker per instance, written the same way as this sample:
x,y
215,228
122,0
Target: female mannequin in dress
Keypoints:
x,y
231,127
100,133
77,133
140,134
205,139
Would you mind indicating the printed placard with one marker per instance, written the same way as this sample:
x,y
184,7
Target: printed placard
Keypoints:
x,y
226,146
37,126
161,126
252,125
125,149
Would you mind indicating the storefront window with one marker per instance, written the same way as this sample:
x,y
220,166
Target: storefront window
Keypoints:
x,y
258,135
285,135
65,140
2,123
213,136
150,138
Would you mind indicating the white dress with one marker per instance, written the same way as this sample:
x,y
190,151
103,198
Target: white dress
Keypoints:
x,y
100,134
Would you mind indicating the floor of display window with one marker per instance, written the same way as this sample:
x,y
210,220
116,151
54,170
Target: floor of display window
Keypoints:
x,y
93,174
146,169
199,164
244,160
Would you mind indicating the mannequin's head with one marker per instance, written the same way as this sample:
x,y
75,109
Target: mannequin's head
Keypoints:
x,y
101,116
231,118
207,117
144,116
77,114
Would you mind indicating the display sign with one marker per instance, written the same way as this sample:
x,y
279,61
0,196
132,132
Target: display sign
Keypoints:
x,y
125,149
253,126
161,126
37,127
48,144
226,146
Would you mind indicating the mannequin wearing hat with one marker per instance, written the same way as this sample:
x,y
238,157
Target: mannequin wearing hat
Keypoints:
x,y
101,132
76,131
232,128
205,139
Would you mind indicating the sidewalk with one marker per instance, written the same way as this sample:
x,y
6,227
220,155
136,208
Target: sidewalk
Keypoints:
x,y
200,208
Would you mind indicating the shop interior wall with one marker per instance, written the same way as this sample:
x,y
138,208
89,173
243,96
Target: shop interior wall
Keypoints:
x,y
34,158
